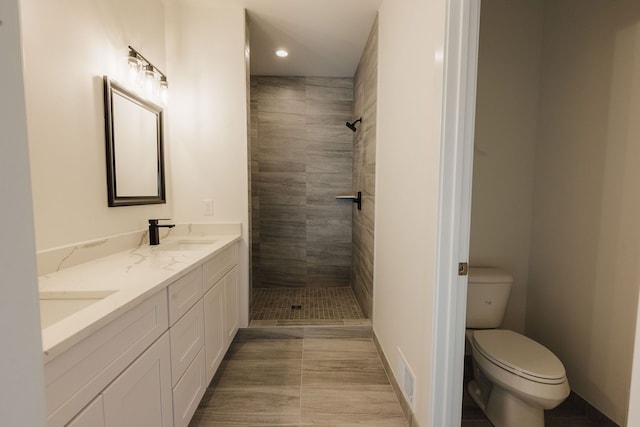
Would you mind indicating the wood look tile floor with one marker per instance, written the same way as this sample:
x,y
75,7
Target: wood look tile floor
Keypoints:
x,y
300,382
571,413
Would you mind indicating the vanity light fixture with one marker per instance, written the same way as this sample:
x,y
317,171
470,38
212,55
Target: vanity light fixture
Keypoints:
x,y
282,53
146,79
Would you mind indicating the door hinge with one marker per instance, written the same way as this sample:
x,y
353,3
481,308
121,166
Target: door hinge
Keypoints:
x,y
463,268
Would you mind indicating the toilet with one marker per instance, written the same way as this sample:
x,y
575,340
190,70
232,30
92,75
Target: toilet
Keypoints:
x,y
515,379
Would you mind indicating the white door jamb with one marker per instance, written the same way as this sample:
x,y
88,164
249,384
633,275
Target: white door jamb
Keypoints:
x,y
454,216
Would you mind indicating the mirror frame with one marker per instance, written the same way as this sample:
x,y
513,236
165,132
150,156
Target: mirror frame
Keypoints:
x,y
111,87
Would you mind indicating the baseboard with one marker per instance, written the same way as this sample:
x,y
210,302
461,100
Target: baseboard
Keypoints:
x,y
404,403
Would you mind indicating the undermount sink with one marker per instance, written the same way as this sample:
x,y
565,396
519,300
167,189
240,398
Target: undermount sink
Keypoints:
x,y
58,305
185,245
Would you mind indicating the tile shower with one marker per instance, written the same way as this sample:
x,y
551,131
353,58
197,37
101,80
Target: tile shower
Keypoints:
x,y
302,156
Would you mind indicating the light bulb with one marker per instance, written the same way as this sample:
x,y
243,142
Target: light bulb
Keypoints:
x,y
133,75
149,81
133,60
164,91
148,72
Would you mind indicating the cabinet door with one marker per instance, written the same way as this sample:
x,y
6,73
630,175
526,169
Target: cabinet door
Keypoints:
x,y
231,292
141,395
91,416
214,331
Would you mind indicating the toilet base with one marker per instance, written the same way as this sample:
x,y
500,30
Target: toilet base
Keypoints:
x,y
503,408
478,394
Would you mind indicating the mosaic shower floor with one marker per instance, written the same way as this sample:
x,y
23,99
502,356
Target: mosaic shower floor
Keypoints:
x,y
305,306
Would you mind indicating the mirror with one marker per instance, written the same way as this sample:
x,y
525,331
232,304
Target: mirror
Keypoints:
x,y
134,139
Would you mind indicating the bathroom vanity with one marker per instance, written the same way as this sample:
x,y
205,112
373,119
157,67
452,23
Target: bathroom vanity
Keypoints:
x,y
133,338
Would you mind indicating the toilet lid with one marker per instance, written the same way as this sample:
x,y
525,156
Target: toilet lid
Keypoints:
x,y
519,355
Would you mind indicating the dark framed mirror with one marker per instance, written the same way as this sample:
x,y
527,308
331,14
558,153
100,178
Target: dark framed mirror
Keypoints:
x,y
134,148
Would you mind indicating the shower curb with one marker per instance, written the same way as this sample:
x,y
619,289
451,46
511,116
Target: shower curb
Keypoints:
x,y
304,332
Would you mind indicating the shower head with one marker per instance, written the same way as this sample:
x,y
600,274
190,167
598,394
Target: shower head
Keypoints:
x,y
352,126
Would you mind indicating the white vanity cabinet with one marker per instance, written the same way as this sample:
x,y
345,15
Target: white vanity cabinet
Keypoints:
x,y
151,365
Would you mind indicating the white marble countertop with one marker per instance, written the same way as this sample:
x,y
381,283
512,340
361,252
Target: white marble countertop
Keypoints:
x,y
133,274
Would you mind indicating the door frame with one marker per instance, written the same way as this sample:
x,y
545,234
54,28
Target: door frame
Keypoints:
x,y
462,36
456,172
633,410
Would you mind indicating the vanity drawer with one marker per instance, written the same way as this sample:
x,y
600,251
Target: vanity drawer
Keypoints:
x,y
189,391
183,293
187,339
216,268
78,375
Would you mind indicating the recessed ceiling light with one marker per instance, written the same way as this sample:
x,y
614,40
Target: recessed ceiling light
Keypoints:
x,y
282,53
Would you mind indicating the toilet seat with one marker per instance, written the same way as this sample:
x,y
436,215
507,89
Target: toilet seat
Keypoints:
x,y
519,355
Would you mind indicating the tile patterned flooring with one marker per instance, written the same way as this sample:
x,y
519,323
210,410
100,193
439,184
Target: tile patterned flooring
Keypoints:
x,y
327,306
571,413
322,376
300,382
309,375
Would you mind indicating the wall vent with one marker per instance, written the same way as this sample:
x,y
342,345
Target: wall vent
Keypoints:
x,y
406,378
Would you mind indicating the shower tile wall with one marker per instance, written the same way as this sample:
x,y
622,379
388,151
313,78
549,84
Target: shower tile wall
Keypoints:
x,y
301,157
364,169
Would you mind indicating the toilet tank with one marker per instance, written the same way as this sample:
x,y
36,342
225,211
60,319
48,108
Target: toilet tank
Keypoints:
x,y
487,297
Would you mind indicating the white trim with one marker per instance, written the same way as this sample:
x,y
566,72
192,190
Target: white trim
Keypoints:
x,y
454,216
22,396
633,411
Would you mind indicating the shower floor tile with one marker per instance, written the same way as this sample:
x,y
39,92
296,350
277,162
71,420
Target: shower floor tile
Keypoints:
x,y
300,306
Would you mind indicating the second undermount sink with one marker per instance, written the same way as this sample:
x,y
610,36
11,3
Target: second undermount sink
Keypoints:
x,y
185,245
58,305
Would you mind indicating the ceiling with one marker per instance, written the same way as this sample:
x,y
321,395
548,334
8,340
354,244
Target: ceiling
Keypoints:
x,y
324,37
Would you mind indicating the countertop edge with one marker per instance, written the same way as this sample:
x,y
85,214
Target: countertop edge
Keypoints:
x,y
61,336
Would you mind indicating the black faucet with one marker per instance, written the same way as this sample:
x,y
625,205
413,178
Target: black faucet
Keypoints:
x,y
154,237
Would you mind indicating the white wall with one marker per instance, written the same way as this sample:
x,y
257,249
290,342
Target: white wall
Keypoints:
x,y
208,116
22,394
410,84
505,140
584,269
68,47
